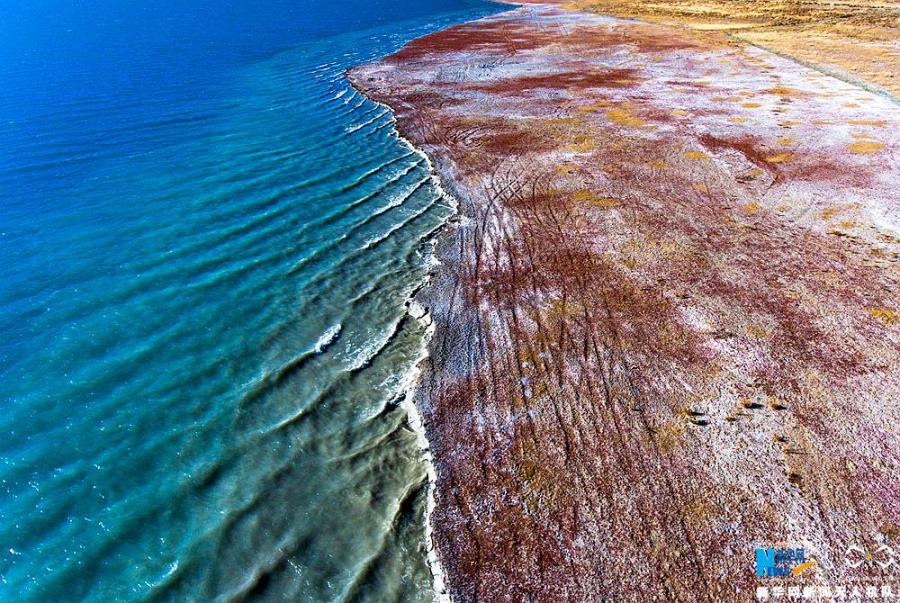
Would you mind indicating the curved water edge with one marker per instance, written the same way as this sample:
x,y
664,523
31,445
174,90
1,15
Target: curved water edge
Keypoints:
x,y
420,313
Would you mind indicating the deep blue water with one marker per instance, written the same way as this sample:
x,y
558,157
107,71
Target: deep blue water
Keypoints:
x,y
207,240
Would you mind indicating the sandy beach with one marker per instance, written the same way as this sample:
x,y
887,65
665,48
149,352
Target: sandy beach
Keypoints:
x,y
667,319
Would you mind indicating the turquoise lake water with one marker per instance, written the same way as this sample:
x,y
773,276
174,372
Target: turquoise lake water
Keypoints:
x,y
207,241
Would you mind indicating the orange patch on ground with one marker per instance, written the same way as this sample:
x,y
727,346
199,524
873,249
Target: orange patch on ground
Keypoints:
x,y
865,147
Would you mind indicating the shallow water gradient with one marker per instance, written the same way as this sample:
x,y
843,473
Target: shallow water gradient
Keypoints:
x,y
207,240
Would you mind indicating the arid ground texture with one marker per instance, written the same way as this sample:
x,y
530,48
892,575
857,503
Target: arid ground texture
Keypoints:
x,y
853,39
668,315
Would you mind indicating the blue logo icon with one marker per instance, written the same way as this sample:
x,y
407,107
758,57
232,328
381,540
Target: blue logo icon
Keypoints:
x,y
781,562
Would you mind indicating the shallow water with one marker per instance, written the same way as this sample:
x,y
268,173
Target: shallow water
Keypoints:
x,y
207,240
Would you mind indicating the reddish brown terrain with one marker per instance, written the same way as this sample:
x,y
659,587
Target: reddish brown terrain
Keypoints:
x,y
667,317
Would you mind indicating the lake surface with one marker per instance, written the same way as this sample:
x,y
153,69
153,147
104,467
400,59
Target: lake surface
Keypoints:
x,y
207,240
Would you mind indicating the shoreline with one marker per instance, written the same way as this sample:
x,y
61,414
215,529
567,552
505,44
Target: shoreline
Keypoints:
x,y
421,314
506,407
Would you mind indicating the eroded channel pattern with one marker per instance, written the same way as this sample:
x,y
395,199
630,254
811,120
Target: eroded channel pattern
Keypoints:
x,y
668,326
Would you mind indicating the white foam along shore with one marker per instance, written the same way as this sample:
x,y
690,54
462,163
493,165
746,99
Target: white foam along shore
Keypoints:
x,y
421,314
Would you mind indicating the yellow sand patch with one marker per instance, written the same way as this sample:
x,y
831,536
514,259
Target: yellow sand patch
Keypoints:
x,y
582,144
756,331
658,165
670,436
847,224
595,107
727,99
606,202
860,136
669,248
791,123
831,212
780,158
624,118
738,120
851,105
865,147
593,199
752,208
701,188
867,122
785,91
695,155
751,105
680,112
786,140
567,168
885,315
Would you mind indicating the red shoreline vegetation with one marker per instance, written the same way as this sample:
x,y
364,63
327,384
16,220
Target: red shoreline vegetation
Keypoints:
x,y
568,80
668,320
509,38
801,165
501,38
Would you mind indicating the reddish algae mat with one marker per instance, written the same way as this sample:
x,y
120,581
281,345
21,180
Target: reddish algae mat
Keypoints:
x,y
667,315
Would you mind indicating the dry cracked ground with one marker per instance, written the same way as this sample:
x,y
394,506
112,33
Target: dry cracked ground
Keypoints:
x,y
668,319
